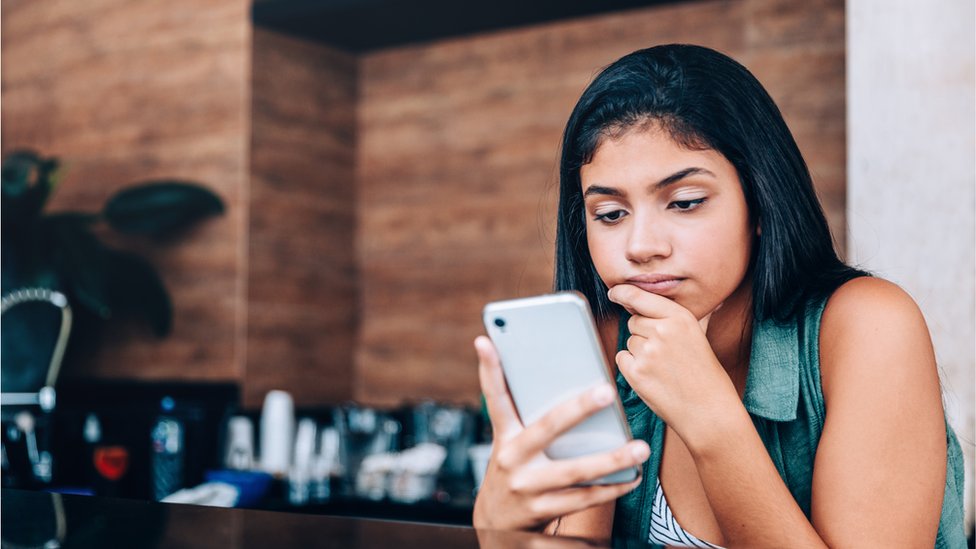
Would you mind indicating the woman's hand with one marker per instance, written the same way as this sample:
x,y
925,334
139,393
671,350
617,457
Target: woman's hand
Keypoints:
x,y
670,364
525,490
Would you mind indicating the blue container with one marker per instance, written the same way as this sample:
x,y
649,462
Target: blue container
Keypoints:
x,y
253,485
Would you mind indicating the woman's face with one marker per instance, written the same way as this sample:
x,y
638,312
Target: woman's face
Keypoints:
x,y
667,219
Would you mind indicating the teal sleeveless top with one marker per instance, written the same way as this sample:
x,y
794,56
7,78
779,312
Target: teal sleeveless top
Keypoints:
x,y
784,398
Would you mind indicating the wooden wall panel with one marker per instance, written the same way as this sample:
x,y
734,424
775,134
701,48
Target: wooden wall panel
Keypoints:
x,y
301,261
797,50
123,91
374,203
458,157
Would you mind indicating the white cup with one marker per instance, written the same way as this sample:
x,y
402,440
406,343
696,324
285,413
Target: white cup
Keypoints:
x,y
277,432
240,444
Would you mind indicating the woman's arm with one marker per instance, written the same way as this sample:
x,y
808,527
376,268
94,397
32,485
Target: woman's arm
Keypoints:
x,y
879,469
879,478
751,504
879,473
672,367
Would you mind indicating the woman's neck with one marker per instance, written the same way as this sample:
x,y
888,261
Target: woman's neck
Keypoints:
x,y
730,334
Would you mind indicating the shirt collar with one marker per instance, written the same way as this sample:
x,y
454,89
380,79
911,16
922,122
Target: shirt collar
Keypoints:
x,y
773,381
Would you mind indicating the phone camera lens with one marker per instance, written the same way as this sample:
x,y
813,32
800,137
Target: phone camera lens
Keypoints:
x,y
500,322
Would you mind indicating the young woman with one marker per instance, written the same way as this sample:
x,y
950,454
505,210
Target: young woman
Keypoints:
x,y
777,397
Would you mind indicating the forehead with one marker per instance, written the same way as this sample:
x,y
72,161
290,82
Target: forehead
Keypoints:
x,y
646,154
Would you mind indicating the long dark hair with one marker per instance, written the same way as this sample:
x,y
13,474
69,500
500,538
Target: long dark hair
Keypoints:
x,y
704,100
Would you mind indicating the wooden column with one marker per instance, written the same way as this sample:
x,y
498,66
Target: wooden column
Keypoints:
x,y
301,326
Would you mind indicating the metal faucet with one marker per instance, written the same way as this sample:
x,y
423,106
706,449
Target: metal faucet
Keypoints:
x,y
45,398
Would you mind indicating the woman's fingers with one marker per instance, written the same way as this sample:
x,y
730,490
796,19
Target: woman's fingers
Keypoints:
x,y
571,500
647,324
564,473
643,303
501,410
541,433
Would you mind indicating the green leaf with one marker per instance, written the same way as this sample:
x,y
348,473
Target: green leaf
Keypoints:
x,y
28,182
80,259
17,173
136,287
27,262
73,219
159,208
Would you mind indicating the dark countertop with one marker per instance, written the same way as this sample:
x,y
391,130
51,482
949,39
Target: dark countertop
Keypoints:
x,y
33,519
453,513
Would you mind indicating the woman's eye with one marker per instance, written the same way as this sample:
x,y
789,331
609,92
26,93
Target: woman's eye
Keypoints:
x,y
610,217
686,205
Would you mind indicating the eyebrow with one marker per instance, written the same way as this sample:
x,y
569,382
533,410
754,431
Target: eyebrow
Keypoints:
x,y
669,180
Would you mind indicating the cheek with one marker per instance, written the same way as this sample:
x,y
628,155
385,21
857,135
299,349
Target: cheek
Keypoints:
x,y
603,253
722,254
719,274
597,252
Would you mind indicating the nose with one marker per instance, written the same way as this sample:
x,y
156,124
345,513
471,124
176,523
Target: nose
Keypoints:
x,y
648,240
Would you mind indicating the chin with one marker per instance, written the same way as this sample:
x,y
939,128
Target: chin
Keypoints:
x,y
699,310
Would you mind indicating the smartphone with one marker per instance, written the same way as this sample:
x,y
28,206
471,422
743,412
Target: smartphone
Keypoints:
x,y
550,352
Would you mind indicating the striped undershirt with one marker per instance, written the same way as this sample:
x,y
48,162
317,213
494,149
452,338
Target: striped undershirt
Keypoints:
x,y
665,529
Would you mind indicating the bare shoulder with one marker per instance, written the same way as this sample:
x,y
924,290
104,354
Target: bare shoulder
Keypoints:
x,y
869,298
872,331
883,417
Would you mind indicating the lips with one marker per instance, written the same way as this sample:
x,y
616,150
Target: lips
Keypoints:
x,y
662,284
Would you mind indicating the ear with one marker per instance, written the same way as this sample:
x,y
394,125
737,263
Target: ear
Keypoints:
x,y
758,229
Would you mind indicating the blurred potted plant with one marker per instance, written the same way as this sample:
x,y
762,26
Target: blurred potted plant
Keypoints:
x,y
60,250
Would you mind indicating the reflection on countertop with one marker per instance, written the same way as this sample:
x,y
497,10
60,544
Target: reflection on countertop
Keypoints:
x,y
41,519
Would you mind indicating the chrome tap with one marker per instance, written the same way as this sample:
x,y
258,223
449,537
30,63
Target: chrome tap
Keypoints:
x,y
45,398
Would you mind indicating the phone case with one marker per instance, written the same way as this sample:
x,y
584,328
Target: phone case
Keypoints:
x,y
550,352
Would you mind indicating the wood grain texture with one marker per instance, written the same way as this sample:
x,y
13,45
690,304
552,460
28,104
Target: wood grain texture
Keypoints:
x,y
301,328
125,91
458,157
374,203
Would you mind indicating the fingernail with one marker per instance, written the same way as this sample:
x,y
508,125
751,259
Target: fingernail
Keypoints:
x,y
641,451
603,395
482,343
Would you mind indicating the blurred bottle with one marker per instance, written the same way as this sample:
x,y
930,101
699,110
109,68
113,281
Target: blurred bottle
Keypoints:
x,y
452,427
325,468
4,463
109,463
240,444
362,432
300,473
92,434
167,452
16,465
